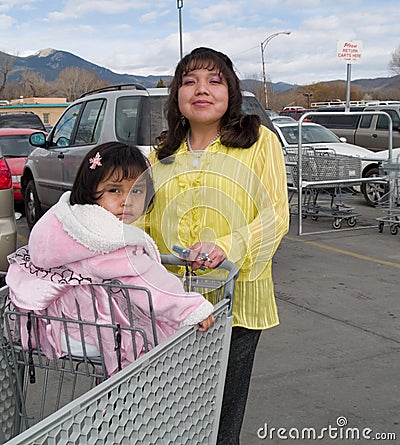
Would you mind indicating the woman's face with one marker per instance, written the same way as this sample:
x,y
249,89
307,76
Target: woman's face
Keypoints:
x,y
124,198
203,97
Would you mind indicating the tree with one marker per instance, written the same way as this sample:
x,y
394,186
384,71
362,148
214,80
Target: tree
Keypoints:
x,y
329,91
6,64
394,64
73,82
160,84
34,85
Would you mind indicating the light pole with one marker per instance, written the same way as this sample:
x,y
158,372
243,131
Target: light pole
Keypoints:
x,y
179,5
264,43
308,95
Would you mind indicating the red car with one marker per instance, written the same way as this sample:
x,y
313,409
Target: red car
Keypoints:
x,y
15,147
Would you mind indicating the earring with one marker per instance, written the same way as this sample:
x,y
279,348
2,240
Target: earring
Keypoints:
x,y
183,121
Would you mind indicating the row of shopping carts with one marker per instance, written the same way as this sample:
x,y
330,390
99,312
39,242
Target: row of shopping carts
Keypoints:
x,y
324,174
171,394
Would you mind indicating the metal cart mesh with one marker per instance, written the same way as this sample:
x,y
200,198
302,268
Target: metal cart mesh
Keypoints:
x,y
389,201
322,198
172,394
323,165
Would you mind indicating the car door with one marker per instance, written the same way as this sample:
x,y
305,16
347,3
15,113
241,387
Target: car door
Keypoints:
x,y
86,134
48,162
377,136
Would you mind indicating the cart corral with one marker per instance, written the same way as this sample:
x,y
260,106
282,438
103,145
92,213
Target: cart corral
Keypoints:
x,y
321,179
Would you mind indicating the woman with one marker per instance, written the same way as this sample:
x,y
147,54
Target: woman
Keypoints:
x,y
220,183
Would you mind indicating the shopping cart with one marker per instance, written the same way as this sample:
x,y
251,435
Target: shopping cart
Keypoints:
x,y
389,202
322,198
171,394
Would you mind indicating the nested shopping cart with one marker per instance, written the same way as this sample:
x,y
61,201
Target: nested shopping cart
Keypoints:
x,y
171,394
390,201
323,193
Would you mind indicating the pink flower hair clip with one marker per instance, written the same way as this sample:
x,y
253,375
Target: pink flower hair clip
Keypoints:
x,y
95,162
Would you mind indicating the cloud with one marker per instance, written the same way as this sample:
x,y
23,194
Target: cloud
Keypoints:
x,y
6,22
76,9
153,16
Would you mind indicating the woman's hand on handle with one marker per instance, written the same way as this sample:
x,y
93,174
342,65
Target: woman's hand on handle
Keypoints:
x,y
205,254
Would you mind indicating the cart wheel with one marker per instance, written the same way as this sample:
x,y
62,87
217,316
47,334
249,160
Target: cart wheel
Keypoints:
x,y
352,221
304,215
337,223
394,229
315,218
380,226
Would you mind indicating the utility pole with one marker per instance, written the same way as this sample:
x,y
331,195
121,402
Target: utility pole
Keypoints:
x,y
264,43
179,5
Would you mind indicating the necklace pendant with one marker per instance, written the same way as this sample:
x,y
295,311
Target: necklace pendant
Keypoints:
x,y
195,162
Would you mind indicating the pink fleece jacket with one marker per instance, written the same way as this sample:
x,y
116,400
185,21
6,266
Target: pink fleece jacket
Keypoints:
x,y
72,246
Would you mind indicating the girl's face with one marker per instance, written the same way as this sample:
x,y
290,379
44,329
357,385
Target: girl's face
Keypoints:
x,y
203,97
124,198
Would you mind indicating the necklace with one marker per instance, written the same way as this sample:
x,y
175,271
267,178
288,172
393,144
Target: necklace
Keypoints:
x,y
197,155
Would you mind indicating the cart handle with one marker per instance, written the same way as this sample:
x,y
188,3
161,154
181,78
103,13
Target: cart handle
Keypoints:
x,y
229,266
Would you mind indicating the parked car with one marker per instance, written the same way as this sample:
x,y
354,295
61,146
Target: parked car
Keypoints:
x,y
23,119
293,112
8,226
281,119
126,113
271,113
15,146
367,130
320,138
375,192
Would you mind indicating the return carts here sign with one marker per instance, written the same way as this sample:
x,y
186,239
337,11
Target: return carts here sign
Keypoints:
x,y
349,51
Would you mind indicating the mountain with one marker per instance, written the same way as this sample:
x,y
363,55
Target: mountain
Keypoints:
x,y
50,62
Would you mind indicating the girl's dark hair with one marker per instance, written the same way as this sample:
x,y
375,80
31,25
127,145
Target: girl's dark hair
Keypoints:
x,y
237,129
126,161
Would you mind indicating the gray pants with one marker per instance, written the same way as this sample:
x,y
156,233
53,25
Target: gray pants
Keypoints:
x,y
240,365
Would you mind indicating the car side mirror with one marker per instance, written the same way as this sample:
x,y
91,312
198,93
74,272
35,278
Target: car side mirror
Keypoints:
x,y
37,139
343,139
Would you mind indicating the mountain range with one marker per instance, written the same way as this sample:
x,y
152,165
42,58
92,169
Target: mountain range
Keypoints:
x,y
50,62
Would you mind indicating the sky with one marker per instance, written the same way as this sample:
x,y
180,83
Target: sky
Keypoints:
x,y
143,37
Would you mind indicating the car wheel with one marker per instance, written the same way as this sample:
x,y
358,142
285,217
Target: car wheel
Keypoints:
x,y
374,193
33,210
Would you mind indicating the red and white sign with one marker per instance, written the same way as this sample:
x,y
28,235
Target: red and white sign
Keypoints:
x,y
349,51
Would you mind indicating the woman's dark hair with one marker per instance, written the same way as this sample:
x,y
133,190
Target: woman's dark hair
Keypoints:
x,y
125,161
237,129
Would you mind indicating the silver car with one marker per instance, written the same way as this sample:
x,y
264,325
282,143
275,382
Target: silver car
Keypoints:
x,y
8,227
125,113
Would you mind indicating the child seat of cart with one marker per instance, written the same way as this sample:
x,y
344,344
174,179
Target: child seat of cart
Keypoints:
x,y
105,341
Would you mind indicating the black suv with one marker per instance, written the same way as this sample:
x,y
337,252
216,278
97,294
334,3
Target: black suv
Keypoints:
x,y
24,119
126,113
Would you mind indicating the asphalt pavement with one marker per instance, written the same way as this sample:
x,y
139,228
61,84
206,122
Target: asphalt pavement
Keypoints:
x,y
330,372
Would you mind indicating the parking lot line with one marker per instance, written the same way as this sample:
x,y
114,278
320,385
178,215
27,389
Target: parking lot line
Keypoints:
x,y
345,252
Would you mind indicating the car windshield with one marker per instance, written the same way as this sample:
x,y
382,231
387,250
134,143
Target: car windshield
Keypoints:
x,y
21,120
15,146
310,135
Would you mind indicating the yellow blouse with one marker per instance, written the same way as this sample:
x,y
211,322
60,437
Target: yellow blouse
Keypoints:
x,y
236,198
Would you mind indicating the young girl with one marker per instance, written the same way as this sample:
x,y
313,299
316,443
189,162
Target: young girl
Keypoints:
x,y
87,238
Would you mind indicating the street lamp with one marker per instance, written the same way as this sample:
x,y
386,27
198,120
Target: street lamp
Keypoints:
x,y
179,5
264,43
